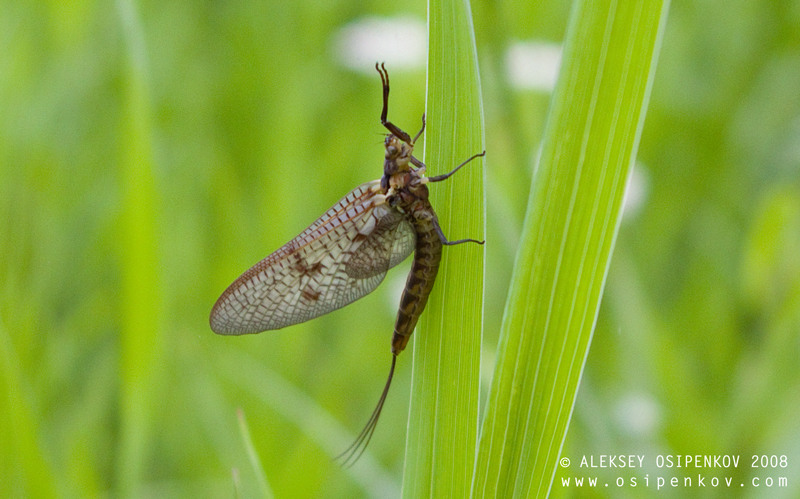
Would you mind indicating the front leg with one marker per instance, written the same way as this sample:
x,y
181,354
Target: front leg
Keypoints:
x,y
393,129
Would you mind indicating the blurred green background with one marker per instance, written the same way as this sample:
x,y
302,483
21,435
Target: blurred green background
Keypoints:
x,y
150,153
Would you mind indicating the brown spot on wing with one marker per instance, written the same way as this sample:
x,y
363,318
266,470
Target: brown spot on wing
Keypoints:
x,y
309,294
303,268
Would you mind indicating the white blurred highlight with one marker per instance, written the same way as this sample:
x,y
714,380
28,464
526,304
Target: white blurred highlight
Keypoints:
x,y
636,192
400,42
638,415
533,65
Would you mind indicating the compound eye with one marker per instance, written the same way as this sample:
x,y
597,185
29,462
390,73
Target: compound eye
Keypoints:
x,y
391,151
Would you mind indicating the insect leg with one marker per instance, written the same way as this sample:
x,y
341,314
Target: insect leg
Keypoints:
x,y
444,240
439,178
393,129
420,130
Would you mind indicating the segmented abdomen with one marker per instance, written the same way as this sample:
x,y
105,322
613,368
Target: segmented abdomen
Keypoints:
x,y
427,255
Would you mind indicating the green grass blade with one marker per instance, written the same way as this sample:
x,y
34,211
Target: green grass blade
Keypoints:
x,y
139,335
573,216
252,455
28,472
281,396
443,414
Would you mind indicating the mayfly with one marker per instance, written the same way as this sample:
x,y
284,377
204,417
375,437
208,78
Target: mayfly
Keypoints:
x,y
346,253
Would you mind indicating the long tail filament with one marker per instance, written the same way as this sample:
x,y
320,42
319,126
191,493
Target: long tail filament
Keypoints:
x,y
352,453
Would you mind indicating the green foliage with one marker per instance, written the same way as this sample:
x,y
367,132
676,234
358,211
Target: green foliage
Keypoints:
x,y
255,461
149,153
575,206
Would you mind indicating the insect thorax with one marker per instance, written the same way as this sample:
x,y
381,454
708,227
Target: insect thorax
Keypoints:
x,y
407,192
397,156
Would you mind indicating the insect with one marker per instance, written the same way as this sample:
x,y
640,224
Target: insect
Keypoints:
x,y
346,253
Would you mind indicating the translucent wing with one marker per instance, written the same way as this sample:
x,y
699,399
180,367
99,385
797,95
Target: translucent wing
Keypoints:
x,y
341,257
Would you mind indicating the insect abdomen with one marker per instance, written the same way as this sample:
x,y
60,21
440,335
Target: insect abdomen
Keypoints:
x,y
427,255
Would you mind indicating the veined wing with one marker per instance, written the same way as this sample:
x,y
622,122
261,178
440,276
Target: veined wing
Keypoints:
x,y
338,259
